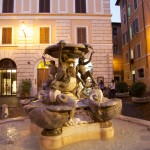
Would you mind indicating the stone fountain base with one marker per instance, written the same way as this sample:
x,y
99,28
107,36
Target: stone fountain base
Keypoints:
x,y
71,134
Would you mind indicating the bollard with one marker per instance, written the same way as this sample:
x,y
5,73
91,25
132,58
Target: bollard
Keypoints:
x,y
4,113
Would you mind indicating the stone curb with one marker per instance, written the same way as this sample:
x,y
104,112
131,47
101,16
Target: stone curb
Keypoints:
x,y
135,120
13,119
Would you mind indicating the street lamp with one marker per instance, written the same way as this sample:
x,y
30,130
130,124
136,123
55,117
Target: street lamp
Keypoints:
x,y
23,27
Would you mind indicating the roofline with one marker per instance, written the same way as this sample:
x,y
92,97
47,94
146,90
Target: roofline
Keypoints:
x,y
116,23
117,2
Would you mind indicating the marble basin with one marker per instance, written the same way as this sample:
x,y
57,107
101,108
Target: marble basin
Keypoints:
x,y
107,110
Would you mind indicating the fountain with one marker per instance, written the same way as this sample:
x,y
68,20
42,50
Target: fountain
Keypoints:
x,y
62,109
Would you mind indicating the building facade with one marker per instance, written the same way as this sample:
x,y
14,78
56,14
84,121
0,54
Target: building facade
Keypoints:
x,y
27,27
117,52
135,27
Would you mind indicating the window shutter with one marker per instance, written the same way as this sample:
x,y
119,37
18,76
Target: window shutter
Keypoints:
x,y
78,35
4,36
7,36
81,35
44,35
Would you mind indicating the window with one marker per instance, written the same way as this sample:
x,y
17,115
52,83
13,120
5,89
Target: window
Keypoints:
x,y
81,35
138,51
135,4
124,19
132,54
123,3
125,38
141,73
44,35
114,31
135,27
8,6
129,11
7,36
127,57
115,49
80,6
44,6
130,30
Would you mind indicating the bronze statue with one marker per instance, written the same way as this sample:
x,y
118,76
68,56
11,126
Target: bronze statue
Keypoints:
x,y
63,65
82,70
52,68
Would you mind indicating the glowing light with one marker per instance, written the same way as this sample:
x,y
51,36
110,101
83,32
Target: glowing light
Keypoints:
x,y
23,26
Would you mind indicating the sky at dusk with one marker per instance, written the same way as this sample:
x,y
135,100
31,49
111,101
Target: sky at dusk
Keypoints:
x,y
115,11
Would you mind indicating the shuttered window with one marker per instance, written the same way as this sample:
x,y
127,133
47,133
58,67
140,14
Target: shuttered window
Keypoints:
x,y
44,6
7,36
81,35
8,6
80,6
44,35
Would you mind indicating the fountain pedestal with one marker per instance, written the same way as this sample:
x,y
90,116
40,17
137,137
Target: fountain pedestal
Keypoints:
x,y
71,134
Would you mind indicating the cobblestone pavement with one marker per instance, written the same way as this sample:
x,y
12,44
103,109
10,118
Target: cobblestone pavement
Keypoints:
x,y
136,110
16,135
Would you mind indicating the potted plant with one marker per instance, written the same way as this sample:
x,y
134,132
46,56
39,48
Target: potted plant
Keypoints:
x,y
122,89
137,91
25,87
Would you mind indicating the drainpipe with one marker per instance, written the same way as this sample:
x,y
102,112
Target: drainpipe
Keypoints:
x,y
143,13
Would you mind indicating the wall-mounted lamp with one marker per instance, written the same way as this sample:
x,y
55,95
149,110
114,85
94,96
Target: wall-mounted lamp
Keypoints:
x,y
23,27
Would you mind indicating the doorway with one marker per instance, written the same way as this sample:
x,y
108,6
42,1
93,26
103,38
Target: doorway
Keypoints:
x,y
42,74
7,77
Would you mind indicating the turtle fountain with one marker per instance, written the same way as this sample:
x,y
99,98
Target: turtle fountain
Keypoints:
x,y
62,108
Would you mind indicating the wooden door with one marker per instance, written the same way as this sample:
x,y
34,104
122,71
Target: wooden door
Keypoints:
x,y
42,75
